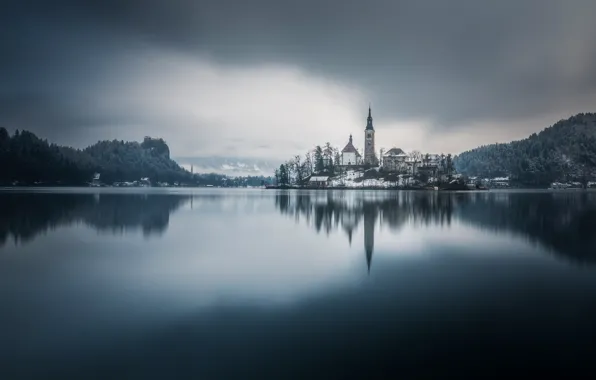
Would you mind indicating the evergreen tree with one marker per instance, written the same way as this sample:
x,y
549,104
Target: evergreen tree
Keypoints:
x,y
33,160
328,153
283,175
561,152
336,161
449,166
319,163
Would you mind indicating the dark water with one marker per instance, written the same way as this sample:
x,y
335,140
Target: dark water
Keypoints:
x,y
262,284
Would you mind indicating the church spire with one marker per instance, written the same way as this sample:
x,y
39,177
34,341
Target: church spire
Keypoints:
x,y
369,120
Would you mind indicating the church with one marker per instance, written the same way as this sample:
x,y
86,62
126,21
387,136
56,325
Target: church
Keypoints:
x,y
350,155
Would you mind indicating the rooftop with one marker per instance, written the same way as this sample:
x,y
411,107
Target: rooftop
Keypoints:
x,y
349,148
395,152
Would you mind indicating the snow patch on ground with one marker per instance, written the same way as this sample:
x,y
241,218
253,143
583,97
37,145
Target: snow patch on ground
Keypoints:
x,y
353,179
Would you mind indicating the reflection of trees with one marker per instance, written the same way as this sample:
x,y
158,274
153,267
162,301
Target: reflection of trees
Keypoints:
x,y
348,210
25,215
332,210
115,212
564,222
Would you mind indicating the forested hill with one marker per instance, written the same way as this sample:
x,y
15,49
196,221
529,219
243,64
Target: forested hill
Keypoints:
x,y
28,159
126,161
565,151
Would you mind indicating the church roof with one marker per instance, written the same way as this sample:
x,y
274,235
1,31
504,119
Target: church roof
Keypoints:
x,y
369,120
349,148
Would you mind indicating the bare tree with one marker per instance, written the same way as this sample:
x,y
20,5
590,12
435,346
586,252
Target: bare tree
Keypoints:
x,y
291,171
336,157
298,170
416,157
308,163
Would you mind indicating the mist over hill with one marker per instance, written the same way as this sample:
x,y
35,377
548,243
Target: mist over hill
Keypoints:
x,y
230,166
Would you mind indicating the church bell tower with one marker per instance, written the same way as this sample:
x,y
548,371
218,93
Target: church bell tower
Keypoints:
x,y
369,141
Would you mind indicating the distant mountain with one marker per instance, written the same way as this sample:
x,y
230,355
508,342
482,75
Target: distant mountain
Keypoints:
x,y
230,166
565,151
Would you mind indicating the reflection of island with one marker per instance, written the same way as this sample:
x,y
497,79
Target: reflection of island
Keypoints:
x,y
25,215
563,222
345,210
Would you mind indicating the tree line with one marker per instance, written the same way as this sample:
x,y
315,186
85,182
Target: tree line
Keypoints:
x,y
564,152
27,159
323,160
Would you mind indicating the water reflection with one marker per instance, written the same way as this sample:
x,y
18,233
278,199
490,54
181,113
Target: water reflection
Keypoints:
x,y
262,284
564,223
26,215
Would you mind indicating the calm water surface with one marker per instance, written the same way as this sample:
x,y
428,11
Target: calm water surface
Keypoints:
x,y
225,284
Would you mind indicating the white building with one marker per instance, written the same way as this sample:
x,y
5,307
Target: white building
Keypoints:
x,y
500,182
349,155
431,159
395,160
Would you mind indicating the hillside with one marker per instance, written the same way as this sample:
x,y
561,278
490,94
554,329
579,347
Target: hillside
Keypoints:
x,y
565,151
28,159
125,161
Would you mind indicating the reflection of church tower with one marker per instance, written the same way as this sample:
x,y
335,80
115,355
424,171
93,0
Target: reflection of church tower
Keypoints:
x,y
370,216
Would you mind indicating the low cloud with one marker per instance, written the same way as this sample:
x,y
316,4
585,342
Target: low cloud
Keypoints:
x,y
227,76
205,108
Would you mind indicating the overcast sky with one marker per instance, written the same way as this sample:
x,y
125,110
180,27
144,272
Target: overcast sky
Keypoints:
x,y
272,78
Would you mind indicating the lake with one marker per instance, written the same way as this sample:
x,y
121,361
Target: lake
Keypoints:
x,y
251,283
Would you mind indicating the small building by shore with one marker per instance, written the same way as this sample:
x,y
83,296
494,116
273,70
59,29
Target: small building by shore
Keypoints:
x,y
318,181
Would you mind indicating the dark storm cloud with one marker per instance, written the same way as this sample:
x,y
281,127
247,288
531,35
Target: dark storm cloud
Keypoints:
x,y
450,62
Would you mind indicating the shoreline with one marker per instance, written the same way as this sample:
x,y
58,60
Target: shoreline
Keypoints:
x,y
27,187
372,188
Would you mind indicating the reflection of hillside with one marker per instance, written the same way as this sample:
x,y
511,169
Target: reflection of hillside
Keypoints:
x,y
25,215
564,222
